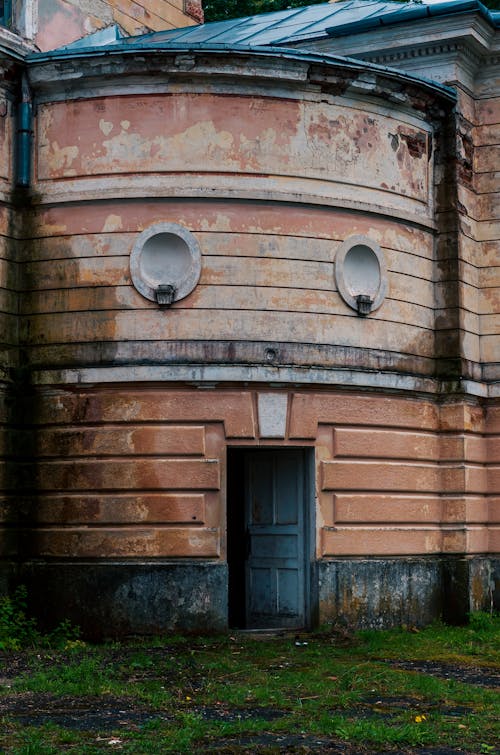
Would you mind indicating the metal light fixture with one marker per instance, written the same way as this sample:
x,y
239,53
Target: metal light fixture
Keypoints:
x,y
364,303
165,294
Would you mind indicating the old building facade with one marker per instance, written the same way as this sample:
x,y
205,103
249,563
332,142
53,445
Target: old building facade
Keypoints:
x,y
48,24
251,318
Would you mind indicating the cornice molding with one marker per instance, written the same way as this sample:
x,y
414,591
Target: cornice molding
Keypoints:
x,y
427,51
69,74
14,46
212,375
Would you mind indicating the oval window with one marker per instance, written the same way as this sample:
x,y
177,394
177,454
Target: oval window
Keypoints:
x,y
165,263
361,274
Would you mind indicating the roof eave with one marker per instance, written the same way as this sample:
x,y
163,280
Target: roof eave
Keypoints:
x,y
415,13
282,52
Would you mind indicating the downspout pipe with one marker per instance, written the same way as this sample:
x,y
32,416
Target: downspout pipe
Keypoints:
x,y
24,135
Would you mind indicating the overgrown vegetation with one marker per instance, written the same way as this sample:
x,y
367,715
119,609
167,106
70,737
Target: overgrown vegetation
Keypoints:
x,y
18,630
244,694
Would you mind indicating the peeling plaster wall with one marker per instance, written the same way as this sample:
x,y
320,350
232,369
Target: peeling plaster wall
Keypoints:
x,y
270,186
467,272
486,140
264,279
54,23
463,55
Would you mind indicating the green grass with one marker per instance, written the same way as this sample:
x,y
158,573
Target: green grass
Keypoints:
x,y
218,694
455,644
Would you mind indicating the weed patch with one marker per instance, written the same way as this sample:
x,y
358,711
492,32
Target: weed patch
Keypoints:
x,y
18,630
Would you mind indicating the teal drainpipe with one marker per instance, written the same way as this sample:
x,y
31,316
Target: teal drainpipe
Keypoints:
x,y
24,135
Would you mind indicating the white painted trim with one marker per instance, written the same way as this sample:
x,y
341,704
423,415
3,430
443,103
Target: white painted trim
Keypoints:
x,y
238,373
476,389
13,45
26,21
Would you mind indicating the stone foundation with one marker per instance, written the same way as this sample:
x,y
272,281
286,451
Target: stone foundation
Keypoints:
x,y
120,599
380,593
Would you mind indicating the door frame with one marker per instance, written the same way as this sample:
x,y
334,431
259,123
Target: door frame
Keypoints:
x,y
235,528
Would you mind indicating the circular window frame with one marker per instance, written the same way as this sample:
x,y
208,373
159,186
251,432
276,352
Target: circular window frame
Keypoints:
x,y
184,285
340,280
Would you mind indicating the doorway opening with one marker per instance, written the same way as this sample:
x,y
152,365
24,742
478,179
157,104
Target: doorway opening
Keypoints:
x,y
269,528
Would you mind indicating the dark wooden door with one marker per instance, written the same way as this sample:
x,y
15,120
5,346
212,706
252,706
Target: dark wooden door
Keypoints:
x,y
275,563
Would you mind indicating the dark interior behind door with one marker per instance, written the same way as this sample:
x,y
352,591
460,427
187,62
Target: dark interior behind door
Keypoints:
x,y
268,538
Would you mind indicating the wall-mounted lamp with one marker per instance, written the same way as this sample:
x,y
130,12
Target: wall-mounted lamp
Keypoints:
x,y
165,294
364,304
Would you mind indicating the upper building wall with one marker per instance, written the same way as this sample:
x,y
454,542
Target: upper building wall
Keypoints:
x,y
464,54
271,174
54,23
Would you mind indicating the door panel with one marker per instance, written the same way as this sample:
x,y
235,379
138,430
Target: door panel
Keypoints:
x,y
287,491
269,546
288,592
275,524
260,593
260,477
